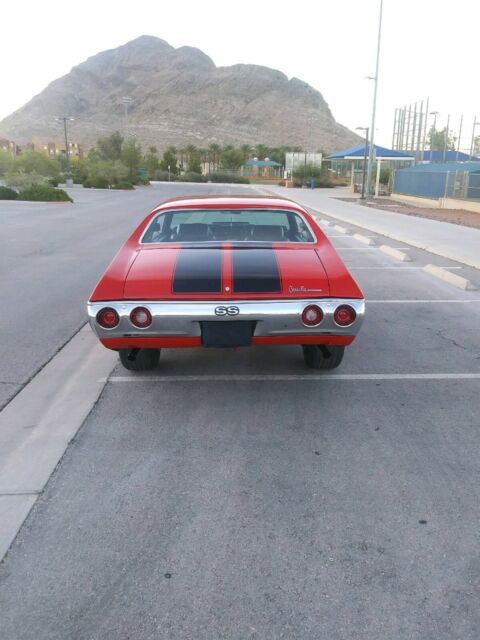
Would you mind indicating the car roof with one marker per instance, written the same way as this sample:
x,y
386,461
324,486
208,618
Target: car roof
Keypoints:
x,y
221,201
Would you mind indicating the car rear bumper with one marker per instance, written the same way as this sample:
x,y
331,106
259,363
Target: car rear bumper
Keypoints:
x,y
179,323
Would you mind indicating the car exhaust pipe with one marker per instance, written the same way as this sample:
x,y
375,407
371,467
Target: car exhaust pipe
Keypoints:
x,y
132,354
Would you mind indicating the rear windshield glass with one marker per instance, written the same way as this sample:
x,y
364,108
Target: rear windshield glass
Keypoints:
x,y
223,225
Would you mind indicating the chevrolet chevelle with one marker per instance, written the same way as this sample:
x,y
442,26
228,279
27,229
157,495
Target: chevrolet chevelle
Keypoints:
x,y
227,271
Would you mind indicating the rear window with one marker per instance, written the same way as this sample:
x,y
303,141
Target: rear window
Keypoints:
x,y
228,225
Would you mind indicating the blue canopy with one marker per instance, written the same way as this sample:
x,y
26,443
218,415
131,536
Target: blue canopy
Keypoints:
x,y
359,151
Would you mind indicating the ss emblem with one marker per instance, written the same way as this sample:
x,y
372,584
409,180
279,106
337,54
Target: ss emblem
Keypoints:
x,y
227,311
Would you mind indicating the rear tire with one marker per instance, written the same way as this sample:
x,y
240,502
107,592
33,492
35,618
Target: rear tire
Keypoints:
x,y
145,359
322,356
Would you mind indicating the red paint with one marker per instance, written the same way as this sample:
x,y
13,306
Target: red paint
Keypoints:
x,y
145,272
172,343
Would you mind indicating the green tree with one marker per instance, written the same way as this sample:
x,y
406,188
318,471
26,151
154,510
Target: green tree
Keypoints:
x,y
214,152
40,163
193,159
231,158
436,140
132,156
169,161
151,160
6,162
110,147
262,151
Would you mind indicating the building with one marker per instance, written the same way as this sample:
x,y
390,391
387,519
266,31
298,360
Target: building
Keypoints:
x,y
268,169
352,163
443,156
447,180
297,160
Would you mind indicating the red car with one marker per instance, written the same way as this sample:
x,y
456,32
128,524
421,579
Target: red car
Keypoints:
x,y
227,271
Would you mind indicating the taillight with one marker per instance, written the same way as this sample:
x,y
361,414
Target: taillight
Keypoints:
x,y
344,315
141,317
312,315
108,318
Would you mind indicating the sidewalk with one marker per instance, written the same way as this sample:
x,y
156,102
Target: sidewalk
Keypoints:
x,y
442,238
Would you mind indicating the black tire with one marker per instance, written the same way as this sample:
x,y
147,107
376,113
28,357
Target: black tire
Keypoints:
x,y
322,356
145,359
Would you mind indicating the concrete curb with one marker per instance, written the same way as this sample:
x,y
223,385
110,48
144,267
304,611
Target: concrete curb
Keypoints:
x,y
38,424
395,253
451,278
364,239
340,229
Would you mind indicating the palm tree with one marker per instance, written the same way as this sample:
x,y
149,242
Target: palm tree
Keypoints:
x,y
214,151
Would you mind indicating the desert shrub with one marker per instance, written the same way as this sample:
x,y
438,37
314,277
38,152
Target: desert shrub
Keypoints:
x,y
7,194
162,176
123,185
190,176
23,180
227,177
97,182
139,180
44,193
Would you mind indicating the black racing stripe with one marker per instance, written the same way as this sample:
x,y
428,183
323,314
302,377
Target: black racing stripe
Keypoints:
x,y
198,271
255,271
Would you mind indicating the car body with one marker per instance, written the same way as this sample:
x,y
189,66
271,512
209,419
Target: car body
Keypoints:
x,y
227,271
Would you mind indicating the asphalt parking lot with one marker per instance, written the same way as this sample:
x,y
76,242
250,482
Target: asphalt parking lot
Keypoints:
x,y
239,495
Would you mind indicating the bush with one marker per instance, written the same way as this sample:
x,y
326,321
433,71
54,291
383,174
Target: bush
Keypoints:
x,y
7,194
227,177
162,176
22,180
44,193
123,185
53,182
139,180
96,183
190,176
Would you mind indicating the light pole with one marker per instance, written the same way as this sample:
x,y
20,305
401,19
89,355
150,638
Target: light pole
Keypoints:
x,y
434,130
366,129
374,106
126,101
66,119
472,145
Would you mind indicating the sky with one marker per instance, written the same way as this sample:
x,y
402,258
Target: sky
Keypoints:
x,y
429,48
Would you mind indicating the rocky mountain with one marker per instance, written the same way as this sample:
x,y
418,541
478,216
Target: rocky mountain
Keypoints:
x,y
178,96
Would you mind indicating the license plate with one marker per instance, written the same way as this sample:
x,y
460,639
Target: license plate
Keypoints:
x,y
227,333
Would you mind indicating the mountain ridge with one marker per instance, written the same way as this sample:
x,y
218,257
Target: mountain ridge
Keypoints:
x,y
179,96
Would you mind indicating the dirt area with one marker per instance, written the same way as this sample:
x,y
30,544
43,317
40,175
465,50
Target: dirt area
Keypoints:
x,y
455,216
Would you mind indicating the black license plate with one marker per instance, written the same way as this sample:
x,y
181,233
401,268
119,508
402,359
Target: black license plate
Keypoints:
x,y
227,333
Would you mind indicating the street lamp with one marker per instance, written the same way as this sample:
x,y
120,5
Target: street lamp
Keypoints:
x,y
472,146
126,101
366,129
374,106
66,119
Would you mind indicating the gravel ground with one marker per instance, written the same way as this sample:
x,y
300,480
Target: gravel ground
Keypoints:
x,y
455,216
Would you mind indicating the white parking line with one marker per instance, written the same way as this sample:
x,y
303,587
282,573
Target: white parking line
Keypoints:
x,y
351,268
433,301
293,377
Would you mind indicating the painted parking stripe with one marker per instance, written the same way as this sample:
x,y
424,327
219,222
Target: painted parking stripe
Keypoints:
x,y
347,377
432,301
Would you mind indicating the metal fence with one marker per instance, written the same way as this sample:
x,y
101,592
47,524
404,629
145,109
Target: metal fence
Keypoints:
x,y
461,185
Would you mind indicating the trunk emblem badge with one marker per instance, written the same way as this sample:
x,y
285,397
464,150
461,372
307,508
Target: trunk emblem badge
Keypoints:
x,y
227,311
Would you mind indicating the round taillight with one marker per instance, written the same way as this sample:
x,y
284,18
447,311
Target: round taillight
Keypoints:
x,y
141,317
344,315
108,318
312,315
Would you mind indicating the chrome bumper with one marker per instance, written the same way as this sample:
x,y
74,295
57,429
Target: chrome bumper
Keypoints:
x,y
182,319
